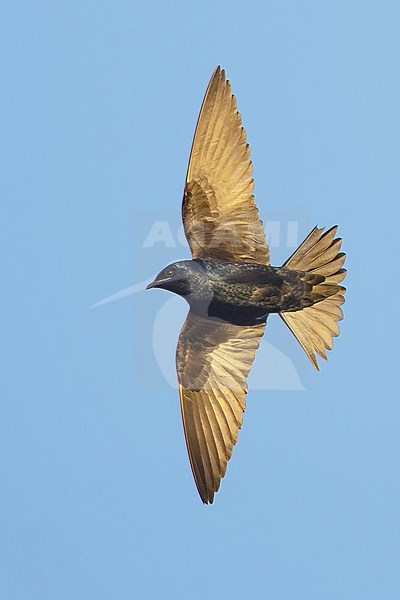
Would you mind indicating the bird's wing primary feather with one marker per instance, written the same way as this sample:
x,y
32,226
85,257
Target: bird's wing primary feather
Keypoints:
x,y
213,360
219,212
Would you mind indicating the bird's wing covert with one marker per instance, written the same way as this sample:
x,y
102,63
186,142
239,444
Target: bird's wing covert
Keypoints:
x,y
219,212
213,361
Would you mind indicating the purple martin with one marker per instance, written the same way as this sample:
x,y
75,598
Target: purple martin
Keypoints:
x,y
231,288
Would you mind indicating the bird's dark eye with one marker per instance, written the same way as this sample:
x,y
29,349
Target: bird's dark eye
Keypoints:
x,y
169,272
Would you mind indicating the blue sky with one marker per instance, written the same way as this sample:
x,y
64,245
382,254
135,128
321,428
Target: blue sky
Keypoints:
x,y
98,106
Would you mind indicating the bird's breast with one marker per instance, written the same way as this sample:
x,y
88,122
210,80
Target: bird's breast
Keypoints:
x,y
245,294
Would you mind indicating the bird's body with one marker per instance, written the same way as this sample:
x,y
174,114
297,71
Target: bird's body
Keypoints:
x,y
240,293
231,287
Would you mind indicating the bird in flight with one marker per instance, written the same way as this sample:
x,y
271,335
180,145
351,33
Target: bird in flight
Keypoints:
x,y
231,288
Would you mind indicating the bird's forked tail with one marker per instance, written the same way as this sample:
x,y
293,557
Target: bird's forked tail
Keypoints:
x,y
316,325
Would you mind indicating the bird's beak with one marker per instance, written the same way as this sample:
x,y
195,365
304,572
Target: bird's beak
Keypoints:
x,y
156,284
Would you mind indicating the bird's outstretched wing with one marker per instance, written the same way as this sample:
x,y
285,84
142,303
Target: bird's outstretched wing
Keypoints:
x,y
219,213
213,360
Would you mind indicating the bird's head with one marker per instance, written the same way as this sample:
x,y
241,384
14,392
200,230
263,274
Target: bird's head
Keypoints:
x,y
179,277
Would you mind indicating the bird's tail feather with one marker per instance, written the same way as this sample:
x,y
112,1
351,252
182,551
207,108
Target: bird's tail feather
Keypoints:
x,y
316,325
